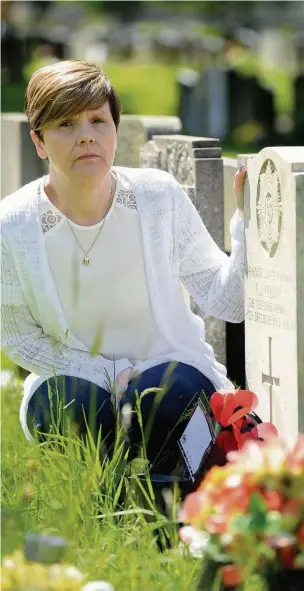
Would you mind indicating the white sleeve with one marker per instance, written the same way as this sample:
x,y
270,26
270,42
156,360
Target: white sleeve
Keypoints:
x,y
25,343
214,280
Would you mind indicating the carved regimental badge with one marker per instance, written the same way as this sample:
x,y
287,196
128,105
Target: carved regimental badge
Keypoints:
x,y
269,207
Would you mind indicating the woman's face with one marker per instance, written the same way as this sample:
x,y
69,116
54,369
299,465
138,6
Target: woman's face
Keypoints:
x,y
80,145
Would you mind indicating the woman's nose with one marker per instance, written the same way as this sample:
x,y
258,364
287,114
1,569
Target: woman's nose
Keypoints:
x,y
85,135
85,139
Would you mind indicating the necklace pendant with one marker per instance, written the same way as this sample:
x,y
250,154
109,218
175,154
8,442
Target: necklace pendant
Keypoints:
x,y
86,261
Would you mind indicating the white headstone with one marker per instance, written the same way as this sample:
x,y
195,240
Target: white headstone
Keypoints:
x,y
274,286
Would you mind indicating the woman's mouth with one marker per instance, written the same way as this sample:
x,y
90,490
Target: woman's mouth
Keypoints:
x,y
88,157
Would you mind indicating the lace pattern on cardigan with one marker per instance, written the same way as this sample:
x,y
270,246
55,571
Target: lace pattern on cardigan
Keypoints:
x,y
126,198
51,218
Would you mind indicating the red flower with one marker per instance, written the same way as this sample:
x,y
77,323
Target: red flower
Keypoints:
x,y
227,441
230,408
287,556
260,431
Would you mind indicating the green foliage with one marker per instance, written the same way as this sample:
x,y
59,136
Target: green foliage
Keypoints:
x,y
12,97
145,89
6,363
109,524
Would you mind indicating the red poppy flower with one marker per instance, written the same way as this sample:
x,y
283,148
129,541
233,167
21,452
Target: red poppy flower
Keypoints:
x,y
261,431
230,408
227,441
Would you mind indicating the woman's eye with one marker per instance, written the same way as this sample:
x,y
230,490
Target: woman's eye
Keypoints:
x,y
65,124
98,120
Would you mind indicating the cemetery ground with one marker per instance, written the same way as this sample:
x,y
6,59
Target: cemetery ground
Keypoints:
x,y
71,495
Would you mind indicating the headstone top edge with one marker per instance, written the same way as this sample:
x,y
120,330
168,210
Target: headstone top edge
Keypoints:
x,y
195,142
14,117
192,138
152,118
291,154
230,161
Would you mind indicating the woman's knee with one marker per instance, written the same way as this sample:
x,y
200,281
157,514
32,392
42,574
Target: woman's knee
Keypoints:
x,y
68,403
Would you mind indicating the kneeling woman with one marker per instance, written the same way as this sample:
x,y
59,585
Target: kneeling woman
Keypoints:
x,y
94,257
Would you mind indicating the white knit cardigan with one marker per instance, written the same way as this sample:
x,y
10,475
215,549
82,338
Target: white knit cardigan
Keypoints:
x,y
177,247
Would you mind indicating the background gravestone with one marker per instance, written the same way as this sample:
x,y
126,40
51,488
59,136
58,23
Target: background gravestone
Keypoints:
x,y
250,102
19,163
219,101
299,110
135,130
203,102
197,165
189,106
130,137
274,286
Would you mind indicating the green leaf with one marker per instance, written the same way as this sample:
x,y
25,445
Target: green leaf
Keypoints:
x,y
258,510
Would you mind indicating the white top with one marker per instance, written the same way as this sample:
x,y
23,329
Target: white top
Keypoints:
x,y
176,246
106,304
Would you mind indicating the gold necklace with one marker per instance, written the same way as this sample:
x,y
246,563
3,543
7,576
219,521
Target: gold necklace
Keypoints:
x,y
86,260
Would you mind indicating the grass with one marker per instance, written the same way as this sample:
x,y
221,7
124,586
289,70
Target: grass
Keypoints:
x,y
111,527
72,495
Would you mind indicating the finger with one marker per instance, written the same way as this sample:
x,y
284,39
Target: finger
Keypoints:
x,y
239,179
242,169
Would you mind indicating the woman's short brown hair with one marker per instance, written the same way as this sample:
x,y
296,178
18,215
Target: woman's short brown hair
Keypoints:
x,y
66,88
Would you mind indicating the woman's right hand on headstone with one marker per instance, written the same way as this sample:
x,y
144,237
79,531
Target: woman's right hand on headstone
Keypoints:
x,y
238,187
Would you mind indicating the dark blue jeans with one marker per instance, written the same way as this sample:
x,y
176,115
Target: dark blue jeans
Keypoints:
x,y
164,413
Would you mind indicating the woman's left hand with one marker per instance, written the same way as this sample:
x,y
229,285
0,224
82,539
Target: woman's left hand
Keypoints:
x,y
123,379
238,187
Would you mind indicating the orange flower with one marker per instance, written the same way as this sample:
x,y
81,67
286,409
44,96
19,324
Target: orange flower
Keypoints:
x,y
274,500
292,507
192,507
231,575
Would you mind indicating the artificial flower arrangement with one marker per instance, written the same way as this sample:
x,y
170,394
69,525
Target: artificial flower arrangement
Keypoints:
x,y
249,511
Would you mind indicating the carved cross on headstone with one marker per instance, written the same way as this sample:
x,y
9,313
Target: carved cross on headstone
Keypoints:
x,y
269,379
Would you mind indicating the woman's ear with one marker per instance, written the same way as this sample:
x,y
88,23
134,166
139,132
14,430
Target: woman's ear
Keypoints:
x,y
39,145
